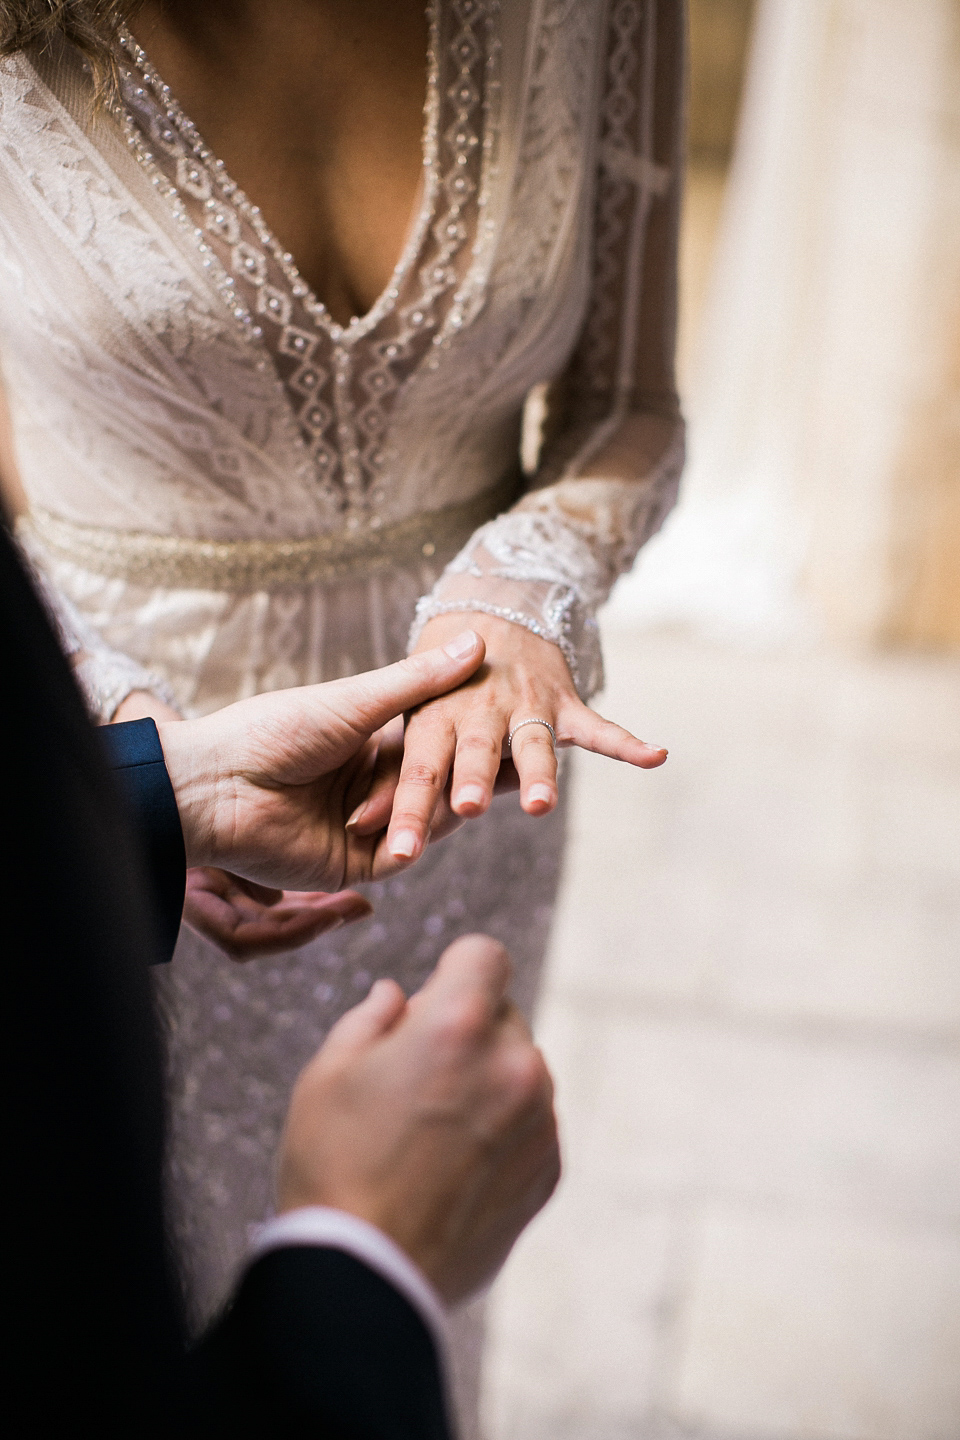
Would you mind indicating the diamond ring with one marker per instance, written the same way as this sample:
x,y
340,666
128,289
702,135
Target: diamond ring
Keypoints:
x,y
533,720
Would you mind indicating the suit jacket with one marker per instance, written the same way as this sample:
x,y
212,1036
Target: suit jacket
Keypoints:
x,y
314,1343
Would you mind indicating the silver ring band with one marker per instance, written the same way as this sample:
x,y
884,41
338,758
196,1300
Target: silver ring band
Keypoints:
x,y
533,720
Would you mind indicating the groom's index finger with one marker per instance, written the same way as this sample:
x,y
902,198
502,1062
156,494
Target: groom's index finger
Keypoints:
x,y
371,699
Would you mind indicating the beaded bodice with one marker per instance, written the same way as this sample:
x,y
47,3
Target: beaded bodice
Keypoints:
x,y
342,381
174,382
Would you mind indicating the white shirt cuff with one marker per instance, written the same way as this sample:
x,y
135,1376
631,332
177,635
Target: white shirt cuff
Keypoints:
x,y
338,1230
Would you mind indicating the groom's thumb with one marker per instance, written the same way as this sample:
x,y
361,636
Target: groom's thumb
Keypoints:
x,y
371,700
367,1021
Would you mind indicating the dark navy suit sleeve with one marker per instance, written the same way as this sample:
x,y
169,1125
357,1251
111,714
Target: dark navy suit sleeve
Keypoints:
x,y
135,755
315,1343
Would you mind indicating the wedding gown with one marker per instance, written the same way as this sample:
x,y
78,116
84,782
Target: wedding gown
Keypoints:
x,y
230,493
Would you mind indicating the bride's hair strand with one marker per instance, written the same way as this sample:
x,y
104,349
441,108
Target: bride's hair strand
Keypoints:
x,y
90,25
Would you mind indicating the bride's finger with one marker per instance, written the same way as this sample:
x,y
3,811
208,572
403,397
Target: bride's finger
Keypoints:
x,y
535,760
583,727
477,763
428,753
372,813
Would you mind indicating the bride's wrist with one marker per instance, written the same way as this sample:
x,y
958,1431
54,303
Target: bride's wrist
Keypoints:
x,y
507,641
497,630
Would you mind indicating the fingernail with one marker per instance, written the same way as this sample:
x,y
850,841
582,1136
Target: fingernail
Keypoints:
x,y
403,846
462,644
357,815
538,793
469,795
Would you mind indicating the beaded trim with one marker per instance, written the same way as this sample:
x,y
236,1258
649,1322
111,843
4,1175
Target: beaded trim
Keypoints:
x,y
190,135
176,562
341,393
558,634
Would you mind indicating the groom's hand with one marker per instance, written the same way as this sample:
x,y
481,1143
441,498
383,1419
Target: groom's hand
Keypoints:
x,y
430,1118
265,787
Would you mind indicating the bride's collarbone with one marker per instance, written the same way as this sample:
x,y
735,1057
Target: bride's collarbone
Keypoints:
x,y
316,110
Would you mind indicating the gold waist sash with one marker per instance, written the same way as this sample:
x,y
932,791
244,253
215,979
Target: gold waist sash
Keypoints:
x,y
174,562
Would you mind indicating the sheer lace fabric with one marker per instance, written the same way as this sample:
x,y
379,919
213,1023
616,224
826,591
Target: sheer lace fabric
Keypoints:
x,y
541,250
105,676
177,393
553,560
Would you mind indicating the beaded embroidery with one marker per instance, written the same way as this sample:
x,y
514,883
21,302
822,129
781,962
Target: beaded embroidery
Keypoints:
x,y
341,380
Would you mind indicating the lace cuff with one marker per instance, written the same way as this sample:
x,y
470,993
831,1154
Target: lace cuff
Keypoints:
x,y
526,569
550,563
105,676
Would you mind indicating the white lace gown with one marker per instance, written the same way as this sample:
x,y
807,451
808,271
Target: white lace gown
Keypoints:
x,y
230,493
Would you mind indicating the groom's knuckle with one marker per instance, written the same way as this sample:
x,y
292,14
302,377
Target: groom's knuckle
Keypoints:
x,y
524,1085
462,1020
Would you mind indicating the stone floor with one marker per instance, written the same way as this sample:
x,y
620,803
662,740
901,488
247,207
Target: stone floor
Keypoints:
x,y
753,1012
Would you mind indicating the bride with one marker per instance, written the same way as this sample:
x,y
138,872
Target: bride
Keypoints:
x,y
276,281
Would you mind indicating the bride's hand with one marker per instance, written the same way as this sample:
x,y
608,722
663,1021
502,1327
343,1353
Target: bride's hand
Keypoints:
x,y
372,815
460,739
248,921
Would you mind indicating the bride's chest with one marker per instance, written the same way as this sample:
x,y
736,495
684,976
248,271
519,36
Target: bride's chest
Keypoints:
x,y
317,114
408,204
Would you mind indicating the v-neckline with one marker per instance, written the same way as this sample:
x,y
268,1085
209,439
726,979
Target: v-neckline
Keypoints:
x,y
421,212
339,393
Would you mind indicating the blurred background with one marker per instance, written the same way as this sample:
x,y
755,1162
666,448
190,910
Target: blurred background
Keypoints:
x,y
753,1000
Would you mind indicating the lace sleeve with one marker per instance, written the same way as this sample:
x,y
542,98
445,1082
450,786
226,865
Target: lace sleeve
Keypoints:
x,y
613,435
105,676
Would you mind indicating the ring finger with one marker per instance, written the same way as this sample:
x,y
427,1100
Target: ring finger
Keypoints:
x,y
534,755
